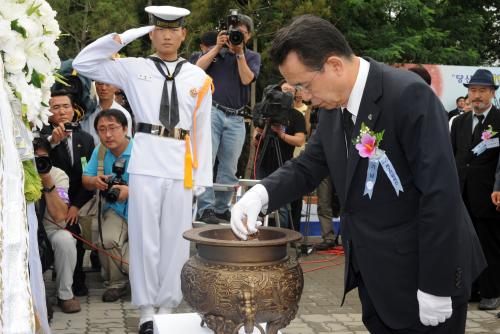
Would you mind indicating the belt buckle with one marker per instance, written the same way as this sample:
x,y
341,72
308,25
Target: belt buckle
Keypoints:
x,y
155,131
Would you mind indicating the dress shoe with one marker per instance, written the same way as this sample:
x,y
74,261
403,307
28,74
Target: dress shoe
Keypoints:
x,y
80,289
209,217
113,294
226,216
69,306
489,303
146,328
325,245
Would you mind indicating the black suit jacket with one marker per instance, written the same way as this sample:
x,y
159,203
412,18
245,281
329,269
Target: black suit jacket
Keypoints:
x,y
476,172
497,176
83,145
453,112
423,238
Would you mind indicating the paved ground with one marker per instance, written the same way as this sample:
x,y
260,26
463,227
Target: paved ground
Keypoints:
x,y
319,310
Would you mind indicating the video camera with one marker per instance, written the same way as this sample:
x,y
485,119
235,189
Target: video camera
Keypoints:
x,y
229,24
272,109
112,194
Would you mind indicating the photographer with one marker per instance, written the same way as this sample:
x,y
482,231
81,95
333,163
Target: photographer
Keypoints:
x,y
71,149
53,207
233,68
111,126
288,125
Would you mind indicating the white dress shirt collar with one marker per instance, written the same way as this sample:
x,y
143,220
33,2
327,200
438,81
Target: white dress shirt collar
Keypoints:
x,y
358,88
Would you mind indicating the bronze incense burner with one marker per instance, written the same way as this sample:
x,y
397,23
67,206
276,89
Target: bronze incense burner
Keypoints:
x,y
233,283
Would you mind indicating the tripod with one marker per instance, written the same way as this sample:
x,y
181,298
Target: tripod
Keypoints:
x,y
271,139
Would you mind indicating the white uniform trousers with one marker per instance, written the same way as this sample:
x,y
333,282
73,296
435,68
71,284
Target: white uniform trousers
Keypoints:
x,y
159,211
64,246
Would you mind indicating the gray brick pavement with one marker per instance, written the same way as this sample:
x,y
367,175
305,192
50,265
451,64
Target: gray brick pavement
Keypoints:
x,y
319,310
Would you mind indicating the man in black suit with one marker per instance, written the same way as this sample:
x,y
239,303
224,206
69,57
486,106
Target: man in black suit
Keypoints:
x,y
410,246
460,101
476,172
70,152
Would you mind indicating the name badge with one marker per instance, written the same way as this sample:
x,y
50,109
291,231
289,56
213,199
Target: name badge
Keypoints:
x,y
144,77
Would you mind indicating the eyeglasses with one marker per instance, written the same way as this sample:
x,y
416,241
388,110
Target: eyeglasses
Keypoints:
x,y
306,86
111,129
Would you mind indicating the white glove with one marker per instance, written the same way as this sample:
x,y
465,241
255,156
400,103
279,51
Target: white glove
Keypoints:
x,y
248,207
433,309
133,34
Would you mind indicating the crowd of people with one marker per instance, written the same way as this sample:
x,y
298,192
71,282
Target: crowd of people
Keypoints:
x,y
122,177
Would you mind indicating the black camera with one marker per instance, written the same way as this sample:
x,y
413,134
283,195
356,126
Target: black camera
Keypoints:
x,y
43,165
72,126
273,107
236,37
112,194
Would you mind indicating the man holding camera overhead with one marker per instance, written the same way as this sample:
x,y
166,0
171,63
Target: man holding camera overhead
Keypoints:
x,y
233,68
107,172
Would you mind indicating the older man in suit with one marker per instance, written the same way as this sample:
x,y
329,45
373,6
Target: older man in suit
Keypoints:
x,y
71,150
410,246
474,136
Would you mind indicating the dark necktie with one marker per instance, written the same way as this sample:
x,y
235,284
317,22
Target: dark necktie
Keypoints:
x,y
478,130
348,126
169,108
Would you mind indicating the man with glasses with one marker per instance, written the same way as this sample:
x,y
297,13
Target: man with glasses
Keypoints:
x,y
112,127
106,94
233,69
411,249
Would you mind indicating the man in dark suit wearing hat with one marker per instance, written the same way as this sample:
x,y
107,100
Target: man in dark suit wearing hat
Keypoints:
x,y
476,150
410,246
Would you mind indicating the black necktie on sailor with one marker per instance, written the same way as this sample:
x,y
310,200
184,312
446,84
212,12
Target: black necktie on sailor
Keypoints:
x,y
169,108
348,126
478,130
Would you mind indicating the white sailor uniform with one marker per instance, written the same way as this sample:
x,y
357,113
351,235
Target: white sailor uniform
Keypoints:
x,y
160,206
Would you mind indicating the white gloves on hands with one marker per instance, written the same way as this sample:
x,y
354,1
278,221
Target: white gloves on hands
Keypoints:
x,y
433,309
248,207
133,34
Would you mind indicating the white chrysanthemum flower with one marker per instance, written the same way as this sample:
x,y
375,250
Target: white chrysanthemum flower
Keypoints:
x,y
28,31
14,61
33,28
12,10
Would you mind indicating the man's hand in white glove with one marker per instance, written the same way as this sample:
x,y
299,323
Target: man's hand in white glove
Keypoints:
x,y
433,309
132,34
248,207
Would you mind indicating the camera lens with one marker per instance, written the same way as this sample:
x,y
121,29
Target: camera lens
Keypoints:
x,y
43,165
113,194
236,37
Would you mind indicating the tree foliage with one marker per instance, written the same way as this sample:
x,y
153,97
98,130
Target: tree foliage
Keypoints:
x,y
392,31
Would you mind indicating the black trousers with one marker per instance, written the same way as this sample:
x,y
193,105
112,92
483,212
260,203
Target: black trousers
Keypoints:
x,y
454,325
488,232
